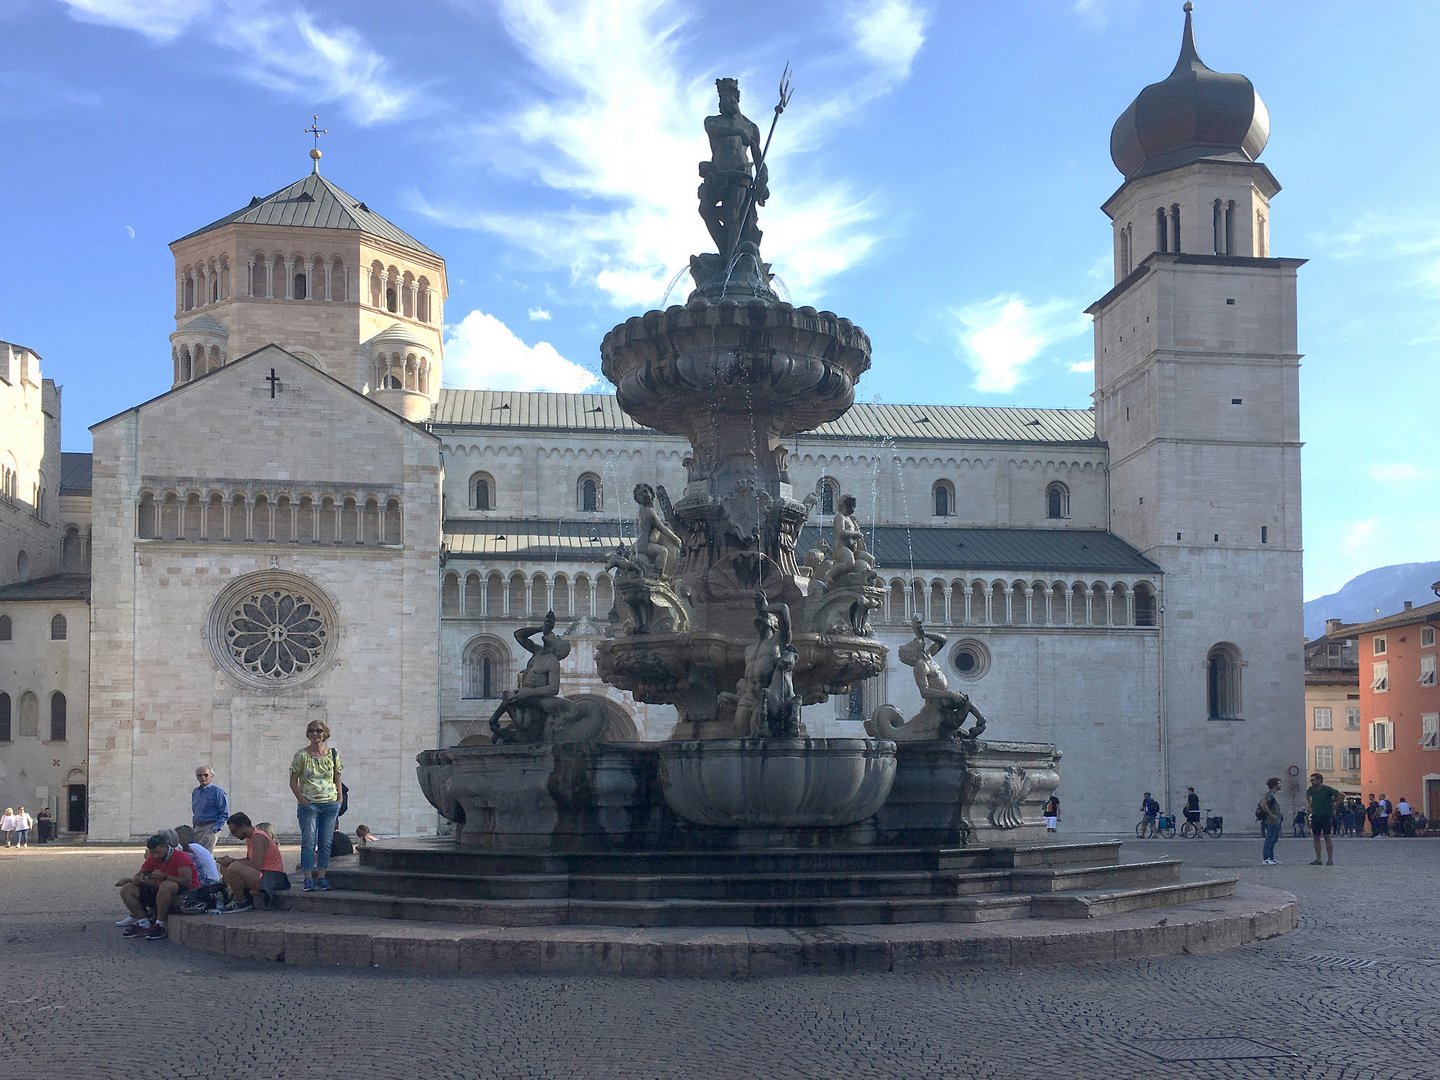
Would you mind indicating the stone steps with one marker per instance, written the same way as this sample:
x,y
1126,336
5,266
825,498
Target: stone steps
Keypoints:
x,y
1099,905
848,911
445,857
1064,879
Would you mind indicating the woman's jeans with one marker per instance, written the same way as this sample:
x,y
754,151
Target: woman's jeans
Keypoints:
x,y
317,830
22,837
1272,833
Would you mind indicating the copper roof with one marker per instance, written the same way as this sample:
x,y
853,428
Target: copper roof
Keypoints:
x,y
315,203
517,410
899,549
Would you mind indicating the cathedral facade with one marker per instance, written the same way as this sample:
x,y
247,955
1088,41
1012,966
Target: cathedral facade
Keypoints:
x,y
306,525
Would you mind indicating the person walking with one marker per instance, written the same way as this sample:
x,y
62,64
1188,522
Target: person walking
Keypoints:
x,y
23,824
315,781
1052,814
1386,808
1404,816
45,825
1274,817
1192,806
209,808
8,825
1320,799
1372,816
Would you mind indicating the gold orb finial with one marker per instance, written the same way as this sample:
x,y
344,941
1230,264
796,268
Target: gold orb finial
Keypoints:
x,y
1189,7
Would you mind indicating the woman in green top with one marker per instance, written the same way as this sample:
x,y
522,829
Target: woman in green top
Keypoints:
x,y
315,780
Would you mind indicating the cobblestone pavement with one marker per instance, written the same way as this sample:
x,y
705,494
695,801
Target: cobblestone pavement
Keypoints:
x,y
80,1002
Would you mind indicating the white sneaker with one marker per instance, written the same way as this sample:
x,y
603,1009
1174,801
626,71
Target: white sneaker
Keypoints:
x,y
129,920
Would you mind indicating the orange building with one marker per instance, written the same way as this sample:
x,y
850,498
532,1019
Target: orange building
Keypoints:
x,y
1400,706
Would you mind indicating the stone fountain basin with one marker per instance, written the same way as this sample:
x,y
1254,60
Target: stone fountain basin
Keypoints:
x,y
659,668
776,783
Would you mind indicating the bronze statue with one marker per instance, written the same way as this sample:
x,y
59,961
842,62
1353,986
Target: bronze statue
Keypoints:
x,y
537,711
944,711
726,179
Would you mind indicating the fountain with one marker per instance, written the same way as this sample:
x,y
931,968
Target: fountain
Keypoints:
x,y
741,819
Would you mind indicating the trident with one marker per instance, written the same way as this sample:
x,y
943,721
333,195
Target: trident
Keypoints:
x,y
749,202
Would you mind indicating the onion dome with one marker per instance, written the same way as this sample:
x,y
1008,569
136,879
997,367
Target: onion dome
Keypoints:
x,y
1193,115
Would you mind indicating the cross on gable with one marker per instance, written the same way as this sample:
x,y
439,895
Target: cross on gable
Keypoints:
x,y
274,381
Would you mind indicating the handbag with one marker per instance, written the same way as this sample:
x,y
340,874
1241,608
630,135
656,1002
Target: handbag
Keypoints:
x,y
344,789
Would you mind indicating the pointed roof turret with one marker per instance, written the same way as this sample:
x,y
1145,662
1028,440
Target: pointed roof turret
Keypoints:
x,y
315,202
1195,114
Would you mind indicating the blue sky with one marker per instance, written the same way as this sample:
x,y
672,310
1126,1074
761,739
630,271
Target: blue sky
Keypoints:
x,y
937,179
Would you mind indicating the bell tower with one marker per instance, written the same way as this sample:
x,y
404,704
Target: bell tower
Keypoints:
x,y
1197,397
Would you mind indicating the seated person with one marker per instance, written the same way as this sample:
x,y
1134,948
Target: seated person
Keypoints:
x,y
364,836
211,887
262,869
164,878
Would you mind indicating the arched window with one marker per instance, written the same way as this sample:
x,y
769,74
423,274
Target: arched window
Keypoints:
x,y
482,492
604,596
5,718
71,556
1219,227
495,595
22,565
1144,606
5,628
589,494
1162,230
1057,502
300,285
829,492
474,594
422,311
897,601
944,497
145,517
390,298
57,717
450,595
58,628
486,669
1222,666
1230,227
339,280
1175,228
29,715
582,597
394,527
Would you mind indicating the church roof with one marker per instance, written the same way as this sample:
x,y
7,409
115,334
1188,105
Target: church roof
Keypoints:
x,y
315,203
75,473
1194,114
516,410
896,547
54,587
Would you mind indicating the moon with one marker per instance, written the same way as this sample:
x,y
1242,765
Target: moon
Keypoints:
x,y
131,231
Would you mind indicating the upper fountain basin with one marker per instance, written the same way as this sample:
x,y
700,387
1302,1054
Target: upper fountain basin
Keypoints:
x,y
795,366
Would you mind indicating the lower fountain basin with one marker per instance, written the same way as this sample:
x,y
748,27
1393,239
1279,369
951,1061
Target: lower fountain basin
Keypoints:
x,y
776,783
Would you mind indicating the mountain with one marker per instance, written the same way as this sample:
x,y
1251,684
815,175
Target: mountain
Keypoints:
x,y
1386,588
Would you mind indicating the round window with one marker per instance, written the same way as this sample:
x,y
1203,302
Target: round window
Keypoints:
x,y
970,659
273,630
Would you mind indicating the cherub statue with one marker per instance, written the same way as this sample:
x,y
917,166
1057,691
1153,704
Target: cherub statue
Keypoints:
x,y
655,540
848,552
944,710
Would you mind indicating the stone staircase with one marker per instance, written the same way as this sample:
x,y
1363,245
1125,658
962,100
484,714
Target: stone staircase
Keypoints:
x,y
438,882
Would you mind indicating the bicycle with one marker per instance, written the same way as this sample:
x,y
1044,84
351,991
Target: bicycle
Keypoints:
x,y
1214,827
1163,825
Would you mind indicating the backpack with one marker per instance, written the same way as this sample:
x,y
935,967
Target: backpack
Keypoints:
x,y
1261,813
340,844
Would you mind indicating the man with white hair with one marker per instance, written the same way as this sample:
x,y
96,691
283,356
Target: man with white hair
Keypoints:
x,y
209,808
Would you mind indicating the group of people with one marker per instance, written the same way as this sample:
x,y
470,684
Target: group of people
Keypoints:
x,y
1328,813
1381,816
16,825
181,873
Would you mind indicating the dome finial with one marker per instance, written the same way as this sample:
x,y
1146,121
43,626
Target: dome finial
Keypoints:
x,y
316,130
1188,53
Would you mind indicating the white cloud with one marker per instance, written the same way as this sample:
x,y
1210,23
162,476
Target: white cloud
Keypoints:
x,y
481,352
1395,472
538,314
616,136
889,33
161,20
1001,336
1356,535
286,51
1083,366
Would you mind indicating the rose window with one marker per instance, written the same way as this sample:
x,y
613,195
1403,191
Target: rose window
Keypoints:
x,y
271,630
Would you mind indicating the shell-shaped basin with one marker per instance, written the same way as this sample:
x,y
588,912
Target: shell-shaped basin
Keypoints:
x,y
776,783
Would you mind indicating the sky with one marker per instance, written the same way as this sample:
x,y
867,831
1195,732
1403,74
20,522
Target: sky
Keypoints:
x,y
937,179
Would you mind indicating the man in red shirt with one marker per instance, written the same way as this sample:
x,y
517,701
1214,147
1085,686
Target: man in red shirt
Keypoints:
x,y
165,876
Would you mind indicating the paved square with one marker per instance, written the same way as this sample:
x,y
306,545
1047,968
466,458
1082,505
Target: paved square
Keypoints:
x,y
83,1004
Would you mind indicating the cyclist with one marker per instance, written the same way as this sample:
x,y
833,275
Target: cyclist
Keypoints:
x,y
1151,809
1192,807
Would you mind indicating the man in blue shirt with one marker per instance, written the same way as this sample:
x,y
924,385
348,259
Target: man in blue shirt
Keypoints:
x,y
209,808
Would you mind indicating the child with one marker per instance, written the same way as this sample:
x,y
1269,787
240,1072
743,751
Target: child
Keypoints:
x,y
363,835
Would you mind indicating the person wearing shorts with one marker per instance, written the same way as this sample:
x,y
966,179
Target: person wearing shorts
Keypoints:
x,y
261,871
1052,814
1321,800
166,875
